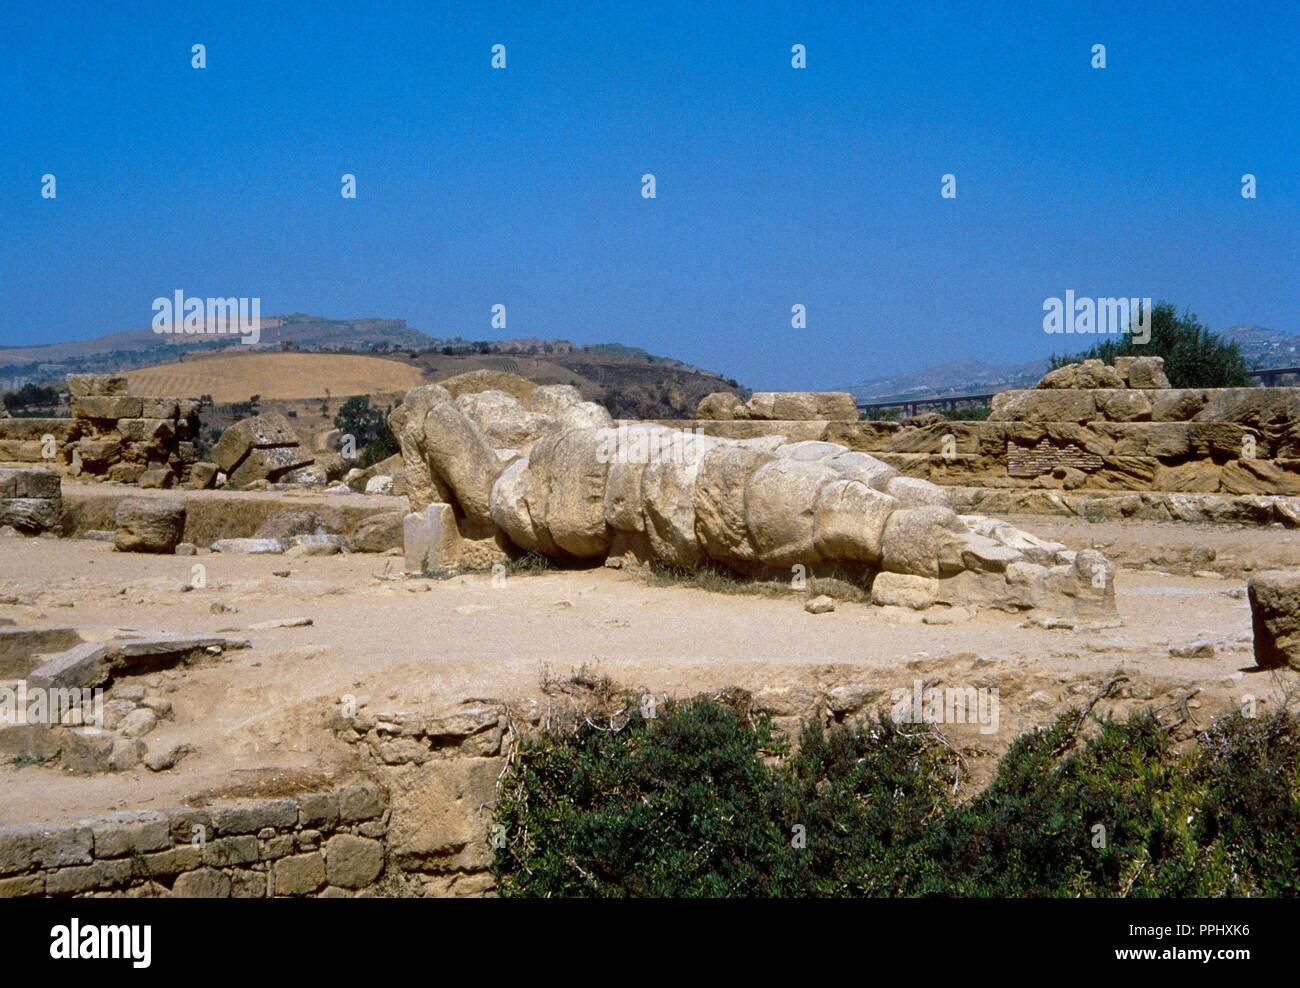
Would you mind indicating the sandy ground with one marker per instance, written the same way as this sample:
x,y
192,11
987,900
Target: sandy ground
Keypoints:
x,y
259,715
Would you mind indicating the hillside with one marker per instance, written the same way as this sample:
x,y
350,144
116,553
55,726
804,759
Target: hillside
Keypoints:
x,y
957,377
304,357
276,376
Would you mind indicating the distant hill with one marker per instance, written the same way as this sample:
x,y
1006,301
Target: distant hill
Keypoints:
x,y
956,377
144,348
1262,348
629,381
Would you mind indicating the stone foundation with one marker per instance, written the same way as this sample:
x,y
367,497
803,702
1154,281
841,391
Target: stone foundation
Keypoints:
x,y
329,844
112,435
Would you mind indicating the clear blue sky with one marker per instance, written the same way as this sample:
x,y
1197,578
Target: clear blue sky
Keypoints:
x,y
775,186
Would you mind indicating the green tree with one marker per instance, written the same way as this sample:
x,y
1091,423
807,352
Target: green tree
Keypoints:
x,y
369,427
1194,356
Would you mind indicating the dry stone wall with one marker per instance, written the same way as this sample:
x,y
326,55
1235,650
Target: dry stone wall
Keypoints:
x,y
113,435
331,843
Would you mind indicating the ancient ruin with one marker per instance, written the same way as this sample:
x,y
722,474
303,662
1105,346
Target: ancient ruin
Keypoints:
x,y
645,493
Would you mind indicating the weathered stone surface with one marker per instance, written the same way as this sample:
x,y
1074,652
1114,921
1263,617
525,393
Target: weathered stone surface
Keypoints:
x,y
919,541
22,886
801,406
226,852
318,809
849,521
164,864
83,665
268,464
488,380
158,478
250,816
205,883
1145,372
300,874
289,522
568,485
1275,617
363,801
106,407
1127,406
85,385
119,834
429,540
378,532
29,482
353,862
511,502
722,406
913,492
440,821
466,461
503,419
719,502
407,424
148,524
98,875
904,590
780,505
31,515
1043,406
248,547
264,431
87,750
1088,374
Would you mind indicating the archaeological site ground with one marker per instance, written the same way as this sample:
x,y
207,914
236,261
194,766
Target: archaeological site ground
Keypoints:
x,y
262,671
826,470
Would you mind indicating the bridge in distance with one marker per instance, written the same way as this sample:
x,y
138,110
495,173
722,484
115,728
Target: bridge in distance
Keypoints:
x,y
1267,377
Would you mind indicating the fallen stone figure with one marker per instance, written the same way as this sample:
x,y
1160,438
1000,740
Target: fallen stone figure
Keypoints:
x,y
573,486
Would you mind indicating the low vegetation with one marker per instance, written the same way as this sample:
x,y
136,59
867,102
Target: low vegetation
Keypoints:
x,y
1194,356
714,579
703,798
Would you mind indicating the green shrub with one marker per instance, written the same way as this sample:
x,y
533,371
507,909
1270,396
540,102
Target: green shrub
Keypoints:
x,y
693,802
1194,356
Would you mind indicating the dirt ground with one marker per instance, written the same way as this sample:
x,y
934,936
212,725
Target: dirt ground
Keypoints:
x,y
259,715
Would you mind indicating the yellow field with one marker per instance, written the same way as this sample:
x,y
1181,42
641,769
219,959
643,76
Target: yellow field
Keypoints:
x,y
275,376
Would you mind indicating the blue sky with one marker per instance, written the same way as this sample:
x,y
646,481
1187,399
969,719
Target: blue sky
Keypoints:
x,y
775,186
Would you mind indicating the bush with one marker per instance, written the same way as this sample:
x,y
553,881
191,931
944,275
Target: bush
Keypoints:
x,y
1194,356
369,427
693,802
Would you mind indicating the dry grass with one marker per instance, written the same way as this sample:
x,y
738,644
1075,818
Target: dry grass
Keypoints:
x,y
276,376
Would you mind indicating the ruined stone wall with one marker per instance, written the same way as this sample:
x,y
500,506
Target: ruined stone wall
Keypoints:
x,y
440,768
1184,440
331,843
112,435
31,500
